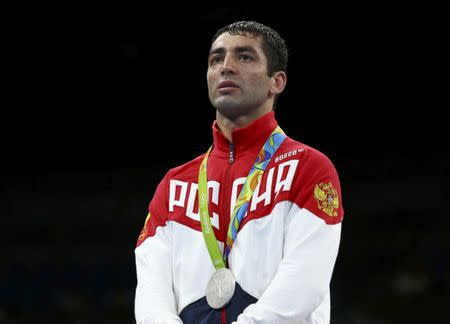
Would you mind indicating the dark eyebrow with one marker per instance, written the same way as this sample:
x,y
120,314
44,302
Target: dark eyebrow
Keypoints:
x,y
219,50
241,49
238,49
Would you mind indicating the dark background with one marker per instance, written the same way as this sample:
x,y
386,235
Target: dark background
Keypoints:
x,y
98,101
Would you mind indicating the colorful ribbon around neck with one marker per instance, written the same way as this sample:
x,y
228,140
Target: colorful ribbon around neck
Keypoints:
x,y
254,177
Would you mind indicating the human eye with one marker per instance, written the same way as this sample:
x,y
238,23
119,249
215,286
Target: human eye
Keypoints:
x,y
245,57
214,59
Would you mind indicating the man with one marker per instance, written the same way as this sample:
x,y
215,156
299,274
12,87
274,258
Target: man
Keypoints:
x,y
248,232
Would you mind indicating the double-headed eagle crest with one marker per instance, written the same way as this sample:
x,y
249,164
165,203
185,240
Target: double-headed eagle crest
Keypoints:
x,y
327,198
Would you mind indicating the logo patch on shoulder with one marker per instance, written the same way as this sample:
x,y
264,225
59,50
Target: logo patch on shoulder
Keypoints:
x,y
327,198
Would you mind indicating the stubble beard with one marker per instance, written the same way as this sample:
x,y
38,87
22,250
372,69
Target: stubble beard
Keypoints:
x,y
231,109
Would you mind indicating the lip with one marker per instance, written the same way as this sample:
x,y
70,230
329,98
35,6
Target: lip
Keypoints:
x,y
227,84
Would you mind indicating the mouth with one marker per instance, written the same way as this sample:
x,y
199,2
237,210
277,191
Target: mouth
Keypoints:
x,y
227,85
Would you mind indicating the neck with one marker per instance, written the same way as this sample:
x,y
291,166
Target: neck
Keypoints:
x,y
227,125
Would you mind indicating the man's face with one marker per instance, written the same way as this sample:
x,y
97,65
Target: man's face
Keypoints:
x,y
237,75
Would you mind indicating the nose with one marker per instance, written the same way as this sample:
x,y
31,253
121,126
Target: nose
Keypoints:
x,y
228,66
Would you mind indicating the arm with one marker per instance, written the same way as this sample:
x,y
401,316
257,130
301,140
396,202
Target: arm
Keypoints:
x,y
302,281
155,300
299,291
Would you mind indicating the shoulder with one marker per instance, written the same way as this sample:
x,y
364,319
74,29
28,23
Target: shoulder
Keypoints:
x,y
307,155
185,170
158,208
316,185
183,173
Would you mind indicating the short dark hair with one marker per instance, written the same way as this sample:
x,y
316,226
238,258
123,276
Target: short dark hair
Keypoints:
x,y
273,46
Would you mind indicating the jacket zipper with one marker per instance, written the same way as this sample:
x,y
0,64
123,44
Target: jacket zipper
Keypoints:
x,y
231,155
225,203
225,211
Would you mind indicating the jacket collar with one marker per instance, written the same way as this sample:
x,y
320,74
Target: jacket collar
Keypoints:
x,y
248,139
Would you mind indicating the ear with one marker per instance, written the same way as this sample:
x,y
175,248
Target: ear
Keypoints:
x,y
279,80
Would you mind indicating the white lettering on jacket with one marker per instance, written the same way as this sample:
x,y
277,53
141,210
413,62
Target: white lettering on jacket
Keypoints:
x,y
288,154
213,196
177,191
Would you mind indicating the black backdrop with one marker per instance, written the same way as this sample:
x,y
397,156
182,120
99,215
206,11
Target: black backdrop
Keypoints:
x,y
100,100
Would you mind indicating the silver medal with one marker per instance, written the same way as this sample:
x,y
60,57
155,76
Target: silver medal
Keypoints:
x,y
220,288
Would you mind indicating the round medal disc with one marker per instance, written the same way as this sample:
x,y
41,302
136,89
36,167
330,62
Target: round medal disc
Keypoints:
x,y
220,288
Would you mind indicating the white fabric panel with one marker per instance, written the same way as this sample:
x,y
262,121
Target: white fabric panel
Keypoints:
x,y
193,267
299,291
289,276
258,250
154,303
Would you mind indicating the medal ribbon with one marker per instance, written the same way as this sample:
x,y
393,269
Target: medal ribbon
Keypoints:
x,y
205,221
253,179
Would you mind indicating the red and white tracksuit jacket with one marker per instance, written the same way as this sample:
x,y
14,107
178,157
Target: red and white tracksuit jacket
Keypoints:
x,y
283,256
